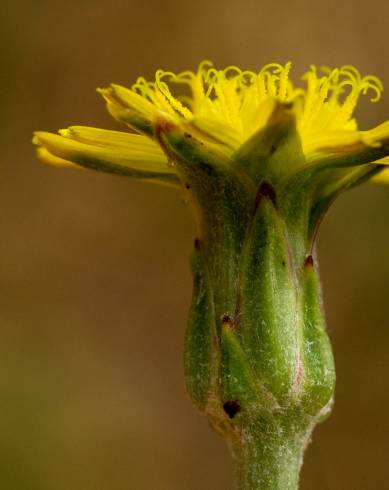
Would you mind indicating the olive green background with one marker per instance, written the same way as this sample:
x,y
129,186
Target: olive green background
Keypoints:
x,y
94,276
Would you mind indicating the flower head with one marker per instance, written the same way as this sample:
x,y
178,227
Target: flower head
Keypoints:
x,y
253,126
226,109
261,160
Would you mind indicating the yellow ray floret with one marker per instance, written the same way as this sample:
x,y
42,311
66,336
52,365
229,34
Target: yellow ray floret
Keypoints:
x,y
111,151
235,99
224,110
382,177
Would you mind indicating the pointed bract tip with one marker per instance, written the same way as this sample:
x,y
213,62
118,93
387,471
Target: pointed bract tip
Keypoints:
x,y
163,126
308,261
227,321
265,191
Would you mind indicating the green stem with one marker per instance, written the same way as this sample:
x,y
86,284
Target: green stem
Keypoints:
x,y
268,461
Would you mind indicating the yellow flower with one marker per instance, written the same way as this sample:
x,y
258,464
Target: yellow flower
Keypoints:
x,y
259,123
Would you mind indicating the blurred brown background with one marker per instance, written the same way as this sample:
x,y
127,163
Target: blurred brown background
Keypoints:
x,y
94,276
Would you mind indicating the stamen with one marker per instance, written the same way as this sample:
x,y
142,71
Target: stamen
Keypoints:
x,y
284,81
373,83
164,89
262,86
233,69
234,98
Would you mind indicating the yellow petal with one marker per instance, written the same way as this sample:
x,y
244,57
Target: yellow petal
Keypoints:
x,y
47,158
377,135
382,177
320,143
128,107
217,131
128,99
112,139
349,148
108,151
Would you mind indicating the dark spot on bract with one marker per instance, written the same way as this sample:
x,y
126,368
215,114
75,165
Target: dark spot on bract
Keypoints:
x,y
265,191
162,126
187,135
197,244
232,407
309,261
187,186
227,320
